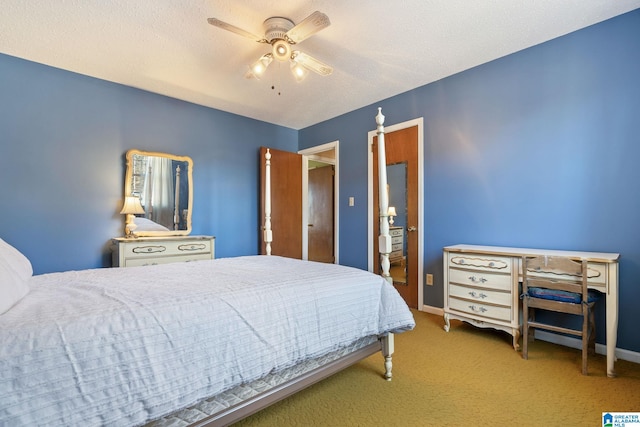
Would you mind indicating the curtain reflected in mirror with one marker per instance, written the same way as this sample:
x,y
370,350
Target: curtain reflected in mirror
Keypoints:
x,y
162,182
397,188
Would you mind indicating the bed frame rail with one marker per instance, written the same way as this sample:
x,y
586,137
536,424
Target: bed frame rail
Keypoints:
x,y
260,401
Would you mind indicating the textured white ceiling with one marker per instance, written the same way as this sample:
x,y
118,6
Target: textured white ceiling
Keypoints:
x,y
378,48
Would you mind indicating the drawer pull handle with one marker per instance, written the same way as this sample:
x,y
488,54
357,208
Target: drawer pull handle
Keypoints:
x,y
477,309
474,279
148,249
477,295
192,247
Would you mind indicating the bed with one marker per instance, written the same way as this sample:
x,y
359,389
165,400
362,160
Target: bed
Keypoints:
x,y
202,343
145,224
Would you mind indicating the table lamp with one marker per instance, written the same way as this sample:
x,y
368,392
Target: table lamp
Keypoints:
x,y
130,208
391,213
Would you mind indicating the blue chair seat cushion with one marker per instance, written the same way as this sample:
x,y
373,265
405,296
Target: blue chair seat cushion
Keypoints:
x,y
562,296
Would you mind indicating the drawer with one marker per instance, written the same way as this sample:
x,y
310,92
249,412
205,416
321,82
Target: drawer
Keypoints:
x,y
397,240
165,248
480,279
480,295
135,262
396,247
480,262
395,232
480,309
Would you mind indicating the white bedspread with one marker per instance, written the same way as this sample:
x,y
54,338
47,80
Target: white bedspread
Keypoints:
x,y
126,345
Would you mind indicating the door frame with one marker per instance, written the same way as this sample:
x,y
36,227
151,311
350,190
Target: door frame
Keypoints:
x,y
312,153
419,122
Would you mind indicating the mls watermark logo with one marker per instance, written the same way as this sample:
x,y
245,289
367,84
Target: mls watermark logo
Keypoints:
x,y
620,419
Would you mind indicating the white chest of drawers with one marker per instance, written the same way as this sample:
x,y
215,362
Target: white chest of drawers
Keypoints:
x,y
482,289
161,250
397,245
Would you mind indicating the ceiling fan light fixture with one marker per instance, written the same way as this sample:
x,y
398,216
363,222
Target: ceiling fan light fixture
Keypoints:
x,y
299,72
258,68
281,50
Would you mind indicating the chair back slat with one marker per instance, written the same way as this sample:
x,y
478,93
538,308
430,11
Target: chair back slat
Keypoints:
x,y
555,265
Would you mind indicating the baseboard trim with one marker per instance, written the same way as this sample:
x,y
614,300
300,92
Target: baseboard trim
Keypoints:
x,y
622,354
432,310
628,355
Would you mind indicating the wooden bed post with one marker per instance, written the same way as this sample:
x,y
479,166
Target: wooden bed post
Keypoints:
x,y
387,352
176,201
384,240
267,233
148,207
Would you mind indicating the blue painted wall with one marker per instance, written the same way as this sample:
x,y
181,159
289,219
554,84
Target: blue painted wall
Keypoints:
x,y
537,149
63,138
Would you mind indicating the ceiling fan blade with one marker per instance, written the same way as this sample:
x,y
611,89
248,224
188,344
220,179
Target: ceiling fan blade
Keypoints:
x,y
312,63
308,27
225,26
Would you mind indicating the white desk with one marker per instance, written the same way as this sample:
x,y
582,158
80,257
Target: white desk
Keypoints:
x,y
505,264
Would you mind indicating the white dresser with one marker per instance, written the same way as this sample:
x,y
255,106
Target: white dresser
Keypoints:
x,y
397,245
161,250
482,289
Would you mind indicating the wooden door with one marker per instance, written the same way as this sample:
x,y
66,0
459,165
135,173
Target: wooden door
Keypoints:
x,y
286,202
321,214
401,147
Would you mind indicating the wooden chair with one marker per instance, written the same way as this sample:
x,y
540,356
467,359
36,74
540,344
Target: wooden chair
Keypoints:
x,y
558,284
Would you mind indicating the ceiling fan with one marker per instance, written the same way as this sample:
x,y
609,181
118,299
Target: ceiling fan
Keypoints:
x,y
281,33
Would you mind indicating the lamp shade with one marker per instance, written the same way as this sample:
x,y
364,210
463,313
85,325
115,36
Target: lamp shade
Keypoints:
x,y
132,206
258,68
298,71
392,211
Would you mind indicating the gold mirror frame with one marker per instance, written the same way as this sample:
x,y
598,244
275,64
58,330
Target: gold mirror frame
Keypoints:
x,y
129,190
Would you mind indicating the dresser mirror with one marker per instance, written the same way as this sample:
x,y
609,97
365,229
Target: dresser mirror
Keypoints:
x,y
397,187
164,184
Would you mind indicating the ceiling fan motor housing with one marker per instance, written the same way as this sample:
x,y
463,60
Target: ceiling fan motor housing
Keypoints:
x,y
275,31
275,28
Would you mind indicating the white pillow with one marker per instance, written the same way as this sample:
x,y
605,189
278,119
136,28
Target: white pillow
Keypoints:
x,y
16,260
15,271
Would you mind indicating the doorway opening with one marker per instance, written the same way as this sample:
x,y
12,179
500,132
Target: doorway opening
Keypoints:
x,y
320,168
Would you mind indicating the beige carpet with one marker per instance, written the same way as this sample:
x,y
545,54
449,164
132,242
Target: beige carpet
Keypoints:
x,y
466,377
